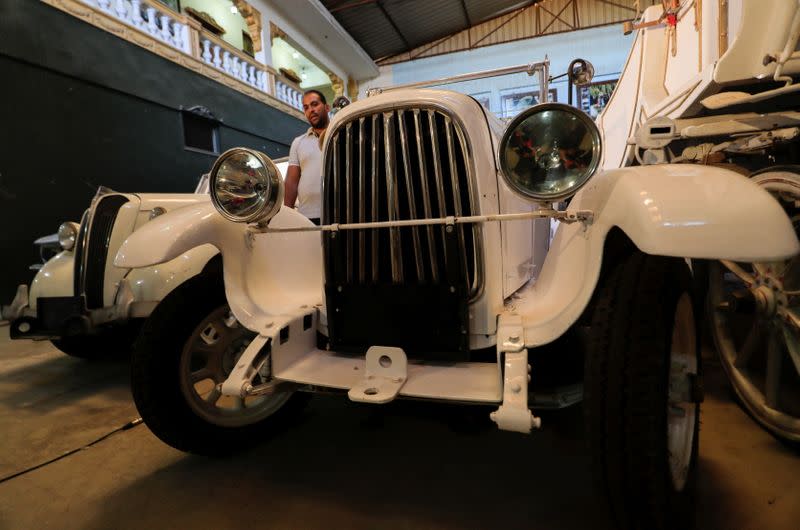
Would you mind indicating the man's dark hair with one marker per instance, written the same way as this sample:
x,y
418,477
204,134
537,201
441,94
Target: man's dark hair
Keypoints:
x,y
317,92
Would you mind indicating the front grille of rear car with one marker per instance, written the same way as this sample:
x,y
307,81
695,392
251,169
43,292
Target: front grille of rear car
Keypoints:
x,y
92,248
79,253
405,163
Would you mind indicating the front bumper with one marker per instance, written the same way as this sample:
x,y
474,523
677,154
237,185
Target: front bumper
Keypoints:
x,y
17,306
56,317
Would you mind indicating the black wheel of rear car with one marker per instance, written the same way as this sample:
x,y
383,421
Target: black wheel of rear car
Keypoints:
x,y
642,394
186,348
107,344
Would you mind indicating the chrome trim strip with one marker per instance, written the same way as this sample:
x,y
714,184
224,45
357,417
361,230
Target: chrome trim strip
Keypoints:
x,y
79,279
477,232
374,168
437,172
348,195
412,209
335,142
542,68
426,200
362,261
451,159
391,196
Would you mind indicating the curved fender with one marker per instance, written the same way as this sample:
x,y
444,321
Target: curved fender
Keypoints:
x,y
55,278
153,283
670,210
266,275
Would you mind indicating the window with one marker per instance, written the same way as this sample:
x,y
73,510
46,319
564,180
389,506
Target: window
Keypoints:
x,y
515,100
247,44
593,98
200,130
175,5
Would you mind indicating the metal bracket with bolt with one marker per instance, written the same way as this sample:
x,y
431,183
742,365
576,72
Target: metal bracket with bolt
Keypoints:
x,y
514,414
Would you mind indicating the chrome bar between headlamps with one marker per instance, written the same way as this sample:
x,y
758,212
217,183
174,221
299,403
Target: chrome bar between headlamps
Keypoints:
x,y
582,216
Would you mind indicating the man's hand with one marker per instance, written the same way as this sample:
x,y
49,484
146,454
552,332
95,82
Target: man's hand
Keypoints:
x,y
290,186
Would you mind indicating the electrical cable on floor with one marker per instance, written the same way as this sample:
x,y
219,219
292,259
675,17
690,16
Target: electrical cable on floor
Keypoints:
x,y
131,424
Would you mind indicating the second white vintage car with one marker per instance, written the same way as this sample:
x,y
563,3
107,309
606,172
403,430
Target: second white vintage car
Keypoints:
x,y
431,278
80,301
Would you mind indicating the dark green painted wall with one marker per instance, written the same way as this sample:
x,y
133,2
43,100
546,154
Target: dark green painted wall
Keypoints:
x,y
80,108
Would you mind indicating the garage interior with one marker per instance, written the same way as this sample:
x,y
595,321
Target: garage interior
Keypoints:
x,y
76,452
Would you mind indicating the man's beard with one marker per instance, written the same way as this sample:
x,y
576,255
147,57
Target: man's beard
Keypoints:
x,y
321,123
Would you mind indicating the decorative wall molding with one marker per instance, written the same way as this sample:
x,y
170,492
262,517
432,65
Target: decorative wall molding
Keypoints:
x,y
265,84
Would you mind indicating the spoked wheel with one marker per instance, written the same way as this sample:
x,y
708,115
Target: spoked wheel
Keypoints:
x,y
207,359
754,309
642,394
187,348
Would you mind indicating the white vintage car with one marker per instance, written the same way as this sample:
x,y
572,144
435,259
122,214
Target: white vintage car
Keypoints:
x,y
718,88
84,304
430,278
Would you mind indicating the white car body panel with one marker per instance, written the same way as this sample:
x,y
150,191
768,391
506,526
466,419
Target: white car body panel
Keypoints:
x,y
265,277
681,211
656,83
668,210
54,278
151,284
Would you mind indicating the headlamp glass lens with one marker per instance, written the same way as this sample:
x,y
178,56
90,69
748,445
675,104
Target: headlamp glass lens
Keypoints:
x,y
242,184
550,153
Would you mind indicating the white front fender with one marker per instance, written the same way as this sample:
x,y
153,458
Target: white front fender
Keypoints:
x,y
671,210
266,275
55,278
691,211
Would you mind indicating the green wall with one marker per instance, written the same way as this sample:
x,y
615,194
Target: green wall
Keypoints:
x,y
80,108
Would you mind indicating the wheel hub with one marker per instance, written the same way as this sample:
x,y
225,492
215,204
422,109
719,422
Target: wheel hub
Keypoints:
x,y
769,294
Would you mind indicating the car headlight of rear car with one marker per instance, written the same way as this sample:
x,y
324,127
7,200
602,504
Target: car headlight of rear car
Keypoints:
x,y
246,187
549,151
67,233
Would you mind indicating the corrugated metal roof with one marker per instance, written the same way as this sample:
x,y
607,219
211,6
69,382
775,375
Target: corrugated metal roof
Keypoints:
x,y
389,27
393,31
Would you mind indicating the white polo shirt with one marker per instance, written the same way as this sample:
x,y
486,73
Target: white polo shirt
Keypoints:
x,y
306,153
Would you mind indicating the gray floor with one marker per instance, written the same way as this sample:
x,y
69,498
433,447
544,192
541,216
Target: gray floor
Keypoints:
x,y
407,465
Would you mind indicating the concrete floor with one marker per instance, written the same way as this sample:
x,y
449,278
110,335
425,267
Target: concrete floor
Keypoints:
x,y
407,465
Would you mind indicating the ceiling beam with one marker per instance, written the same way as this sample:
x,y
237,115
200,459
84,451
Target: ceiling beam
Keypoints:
x,y
629,8
391,21
557,16
515,15
466,13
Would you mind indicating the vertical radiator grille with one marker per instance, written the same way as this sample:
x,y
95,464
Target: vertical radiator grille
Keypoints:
x,y
92,248
400,164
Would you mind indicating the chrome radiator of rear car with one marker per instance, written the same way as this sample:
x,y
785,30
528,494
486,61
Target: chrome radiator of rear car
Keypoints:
x,y
91,248
403,163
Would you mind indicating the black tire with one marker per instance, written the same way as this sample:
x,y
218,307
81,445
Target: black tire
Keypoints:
x,y
627,393
156,372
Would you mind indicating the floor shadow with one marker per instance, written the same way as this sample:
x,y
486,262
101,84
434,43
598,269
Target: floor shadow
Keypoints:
x,y
405,465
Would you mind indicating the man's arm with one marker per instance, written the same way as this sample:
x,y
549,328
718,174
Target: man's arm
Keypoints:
x,y
290,186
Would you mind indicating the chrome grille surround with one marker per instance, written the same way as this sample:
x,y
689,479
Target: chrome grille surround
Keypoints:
x,y
404,154
91,248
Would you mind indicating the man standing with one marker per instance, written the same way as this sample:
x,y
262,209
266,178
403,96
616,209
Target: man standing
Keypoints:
x,y
304,174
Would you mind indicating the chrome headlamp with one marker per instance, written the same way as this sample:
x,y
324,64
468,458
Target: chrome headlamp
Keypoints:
x,y
245,185
67,233
549,151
